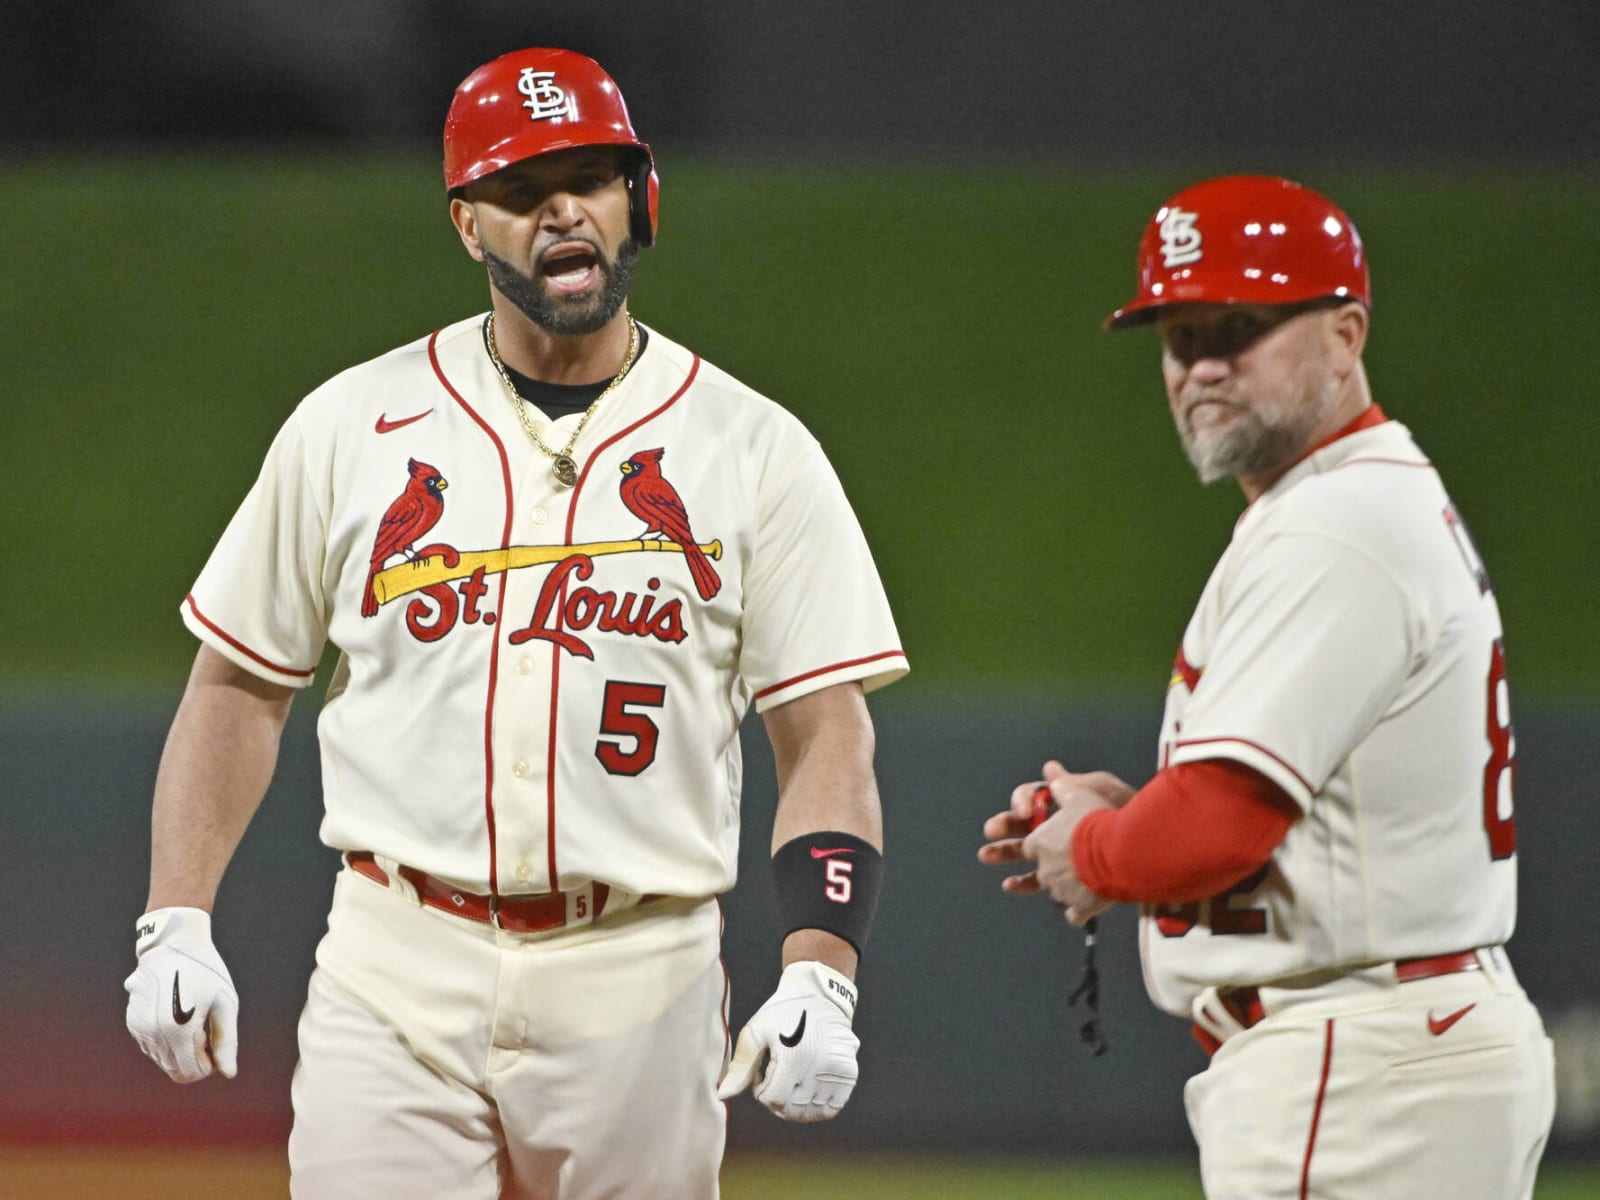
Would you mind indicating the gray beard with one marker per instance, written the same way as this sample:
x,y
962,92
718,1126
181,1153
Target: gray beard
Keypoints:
x,y
561,316
1250,447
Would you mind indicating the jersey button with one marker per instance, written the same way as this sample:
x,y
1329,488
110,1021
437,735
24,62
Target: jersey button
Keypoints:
x,y
524,872
539,515
525,666
519,768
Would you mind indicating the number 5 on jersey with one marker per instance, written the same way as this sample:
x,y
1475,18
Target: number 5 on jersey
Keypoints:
x,y
626,725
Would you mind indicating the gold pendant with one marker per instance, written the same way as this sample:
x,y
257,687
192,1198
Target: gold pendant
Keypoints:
x,y
565,470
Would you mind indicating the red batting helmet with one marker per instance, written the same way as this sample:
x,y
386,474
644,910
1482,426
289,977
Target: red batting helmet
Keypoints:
x,y
537,101
1246,239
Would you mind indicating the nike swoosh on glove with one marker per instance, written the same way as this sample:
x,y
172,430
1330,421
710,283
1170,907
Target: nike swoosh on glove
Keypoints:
x,y
799,1047
182,1007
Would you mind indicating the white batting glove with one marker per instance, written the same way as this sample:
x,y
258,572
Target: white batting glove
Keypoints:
x,y
182,1007
799,1047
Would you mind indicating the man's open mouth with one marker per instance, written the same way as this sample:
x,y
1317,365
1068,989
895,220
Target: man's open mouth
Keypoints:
x,y
571,269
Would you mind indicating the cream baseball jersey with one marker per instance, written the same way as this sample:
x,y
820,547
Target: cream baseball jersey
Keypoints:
x,y
540,686
1348,646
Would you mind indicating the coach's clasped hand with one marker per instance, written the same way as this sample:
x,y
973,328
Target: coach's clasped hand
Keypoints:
x,y
799,1048
182,1007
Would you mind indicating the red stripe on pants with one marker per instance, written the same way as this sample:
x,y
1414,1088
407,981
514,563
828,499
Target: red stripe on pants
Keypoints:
x,y
1316,1114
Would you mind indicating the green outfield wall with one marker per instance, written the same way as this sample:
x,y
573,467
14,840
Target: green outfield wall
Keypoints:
x,y
936,328
1042,539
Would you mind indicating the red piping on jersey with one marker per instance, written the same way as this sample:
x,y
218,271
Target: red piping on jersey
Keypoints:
x,y
1299,778
1383,462
1370,416
499,613
240,646
839,666
561,608
727,1034
1316,1114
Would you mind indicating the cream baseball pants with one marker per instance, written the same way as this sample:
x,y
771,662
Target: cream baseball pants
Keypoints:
x,y
1367,1088
442,1059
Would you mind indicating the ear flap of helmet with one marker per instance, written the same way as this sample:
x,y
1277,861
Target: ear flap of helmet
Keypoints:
x,y
644,198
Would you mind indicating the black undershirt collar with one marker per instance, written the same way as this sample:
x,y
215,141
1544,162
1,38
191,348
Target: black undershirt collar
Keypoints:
x,y
558,400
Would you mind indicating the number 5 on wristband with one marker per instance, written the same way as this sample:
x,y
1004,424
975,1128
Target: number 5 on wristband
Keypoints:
x,y
828,880
838,873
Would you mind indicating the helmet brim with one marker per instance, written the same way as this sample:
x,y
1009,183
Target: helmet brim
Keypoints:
x,y
1146,310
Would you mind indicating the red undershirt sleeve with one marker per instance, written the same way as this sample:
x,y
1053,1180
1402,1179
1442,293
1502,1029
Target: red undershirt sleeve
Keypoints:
x,y
1193,831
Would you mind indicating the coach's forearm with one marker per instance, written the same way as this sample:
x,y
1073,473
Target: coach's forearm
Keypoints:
x,y
1192,832
823,746
216,766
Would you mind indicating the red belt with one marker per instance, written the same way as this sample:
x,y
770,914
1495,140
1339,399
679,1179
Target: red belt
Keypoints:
x,y
1244,1004
519,914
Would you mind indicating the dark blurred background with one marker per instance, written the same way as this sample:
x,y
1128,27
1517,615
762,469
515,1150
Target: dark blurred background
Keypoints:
x,y
1046,80
904,223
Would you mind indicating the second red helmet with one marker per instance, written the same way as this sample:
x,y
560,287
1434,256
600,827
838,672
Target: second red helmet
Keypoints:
x,y
538,101
1246,239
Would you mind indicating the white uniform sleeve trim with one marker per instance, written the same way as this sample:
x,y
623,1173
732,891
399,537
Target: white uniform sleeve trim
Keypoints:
x,y
1252,755
874,671
237,652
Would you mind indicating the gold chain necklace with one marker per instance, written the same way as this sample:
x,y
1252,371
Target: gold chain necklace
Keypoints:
x,y
562,466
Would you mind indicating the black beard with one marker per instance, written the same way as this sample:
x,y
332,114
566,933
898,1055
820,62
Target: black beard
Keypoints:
x,y
561,316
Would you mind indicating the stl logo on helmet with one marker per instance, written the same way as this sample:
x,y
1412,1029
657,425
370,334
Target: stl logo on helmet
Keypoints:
x,y
1180,240
545,98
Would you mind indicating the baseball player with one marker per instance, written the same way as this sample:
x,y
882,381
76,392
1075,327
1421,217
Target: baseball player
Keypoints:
x,y
561,556
1326,858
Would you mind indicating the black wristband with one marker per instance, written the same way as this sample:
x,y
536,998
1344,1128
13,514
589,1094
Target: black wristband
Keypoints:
x,y
828,880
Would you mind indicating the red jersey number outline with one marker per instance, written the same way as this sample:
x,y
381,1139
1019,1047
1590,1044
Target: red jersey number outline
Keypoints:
x,y
1502,830
1219,911
1500,771
618,720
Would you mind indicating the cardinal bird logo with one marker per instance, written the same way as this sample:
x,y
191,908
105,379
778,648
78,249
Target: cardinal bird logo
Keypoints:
x,y
656,502
415,511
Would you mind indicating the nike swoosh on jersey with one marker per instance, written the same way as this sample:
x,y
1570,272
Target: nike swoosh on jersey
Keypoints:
x,y
1438,1025
385,425
816,853
793,1039
180,1014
